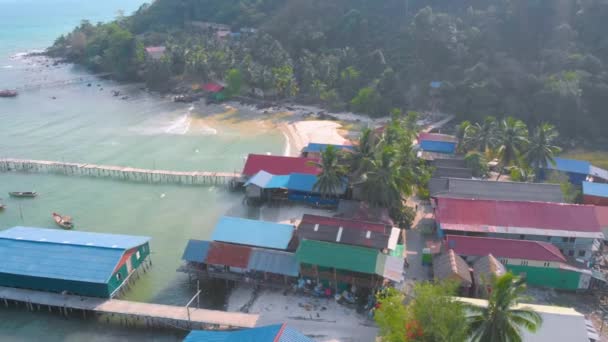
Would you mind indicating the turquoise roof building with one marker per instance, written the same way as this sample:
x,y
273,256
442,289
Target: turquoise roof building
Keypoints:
x,y
87,264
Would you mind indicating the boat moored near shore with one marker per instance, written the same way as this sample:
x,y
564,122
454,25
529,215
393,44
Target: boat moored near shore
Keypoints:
x,y
8,93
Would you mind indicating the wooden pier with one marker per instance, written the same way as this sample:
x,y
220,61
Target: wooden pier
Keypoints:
x,y
153,315
119,172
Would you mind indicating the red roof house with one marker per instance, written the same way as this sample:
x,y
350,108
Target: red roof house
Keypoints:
x,y
213,87
279,165
515,217
228,254
503,248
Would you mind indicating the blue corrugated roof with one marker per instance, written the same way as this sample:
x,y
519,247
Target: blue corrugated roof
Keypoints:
x,y
253,233
305,183
315,147
58,261
277,182
438,146
267,180
261,334
292,335
73,237
278,262
196,251
595,189
571,166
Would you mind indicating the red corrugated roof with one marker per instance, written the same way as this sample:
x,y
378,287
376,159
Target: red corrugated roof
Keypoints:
x,y
480,214
345,223
228,254
279,165
213,87
504,248
437,137
602,216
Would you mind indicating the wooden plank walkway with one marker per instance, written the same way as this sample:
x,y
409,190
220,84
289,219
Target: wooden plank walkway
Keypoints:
x,y
175,315
119,172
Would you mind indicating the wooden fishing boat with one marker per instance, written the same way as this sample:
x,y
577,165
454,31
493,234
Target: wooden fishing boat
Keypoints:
x,y
64,222
8,93
23,194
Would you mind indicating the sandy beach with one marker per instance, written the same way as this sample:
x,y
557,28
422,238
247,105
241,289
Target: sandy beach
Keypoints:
x,y
320,318
295,125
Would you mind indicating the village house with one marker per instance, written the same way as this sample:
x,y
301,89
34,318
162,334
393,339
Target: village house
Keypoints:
x,y
351,232
340,266
295,187
574,229
486,189
485,270
539,262
244,250
438,143
314,150
450,266
278,165
155,52
595,193
577,171
81,263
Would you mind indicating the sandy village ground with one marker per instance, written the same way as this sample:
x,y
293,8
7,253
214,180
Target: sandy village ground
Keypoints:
x,y
321,318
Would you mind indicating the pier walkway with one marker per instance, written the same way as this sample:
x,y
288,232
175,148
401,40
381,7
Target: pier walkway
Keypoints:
x,y
153,314
119,172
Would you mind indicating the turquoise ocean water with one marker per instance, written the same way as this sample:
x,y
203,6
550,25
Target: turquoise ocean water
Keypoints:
x,y
88,124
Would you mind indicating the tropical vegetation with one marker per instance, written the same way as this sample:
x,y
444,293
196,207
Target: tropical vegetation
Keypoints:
x,y
539,61
509,142
432,313
383,168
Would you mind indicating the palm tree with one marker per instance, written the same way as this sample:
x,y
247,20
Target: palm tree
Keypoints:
x,y
363,153
384,183
460,135
481,137
332,177
541,150
502,320
512,139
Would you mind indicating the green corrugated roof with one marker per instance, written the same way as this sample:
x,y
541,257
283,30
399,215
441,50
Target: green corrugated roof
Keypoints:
x,y
344,257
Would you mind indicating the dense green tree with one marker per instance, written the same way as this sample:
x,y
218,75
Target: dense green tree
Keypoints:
x,y
284,81
541,61
432,314
367,101
502,320
477,162
234,82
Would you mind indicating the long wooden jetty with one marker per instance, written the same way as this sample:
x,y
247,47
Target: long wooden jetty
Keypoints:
x,y
119,172
183,317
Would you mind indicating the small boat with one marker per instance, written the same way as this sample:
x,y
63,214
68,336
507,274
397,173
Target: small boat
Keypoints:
x,y
23,194
2,206
64,222
8,93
